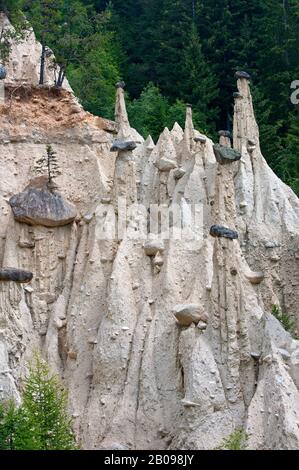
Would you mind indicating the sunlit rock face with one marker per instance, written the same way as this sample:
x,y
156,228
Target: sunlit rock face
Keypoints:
x,y
163,340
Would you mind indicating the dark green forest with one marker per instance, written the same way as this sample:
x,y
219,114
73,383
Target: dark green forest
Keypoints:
x,y
173,52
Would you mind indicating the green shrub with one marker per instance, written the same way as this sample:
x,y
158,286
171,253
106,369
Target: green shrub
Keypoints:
x,y
287,322
235,441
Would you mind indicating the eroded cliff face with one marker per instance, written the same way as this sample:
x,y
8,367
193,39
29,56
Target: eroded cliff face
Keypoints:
x,y
101,305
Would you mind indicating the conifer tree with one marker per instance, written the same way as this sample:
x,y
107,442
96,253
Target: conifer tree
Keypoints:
x,y
43,421
199,83
8,425
48,163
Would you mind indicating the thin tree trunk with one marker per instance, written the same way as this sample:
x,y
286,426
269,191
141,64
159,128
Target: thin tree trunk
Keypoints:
x,y
49,171
61,76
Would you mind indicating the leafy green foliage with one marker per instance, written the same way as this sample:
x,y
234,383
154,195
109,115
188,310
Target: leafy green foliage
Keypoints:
x,y
152,111
148,112
236,441
284,319
42,421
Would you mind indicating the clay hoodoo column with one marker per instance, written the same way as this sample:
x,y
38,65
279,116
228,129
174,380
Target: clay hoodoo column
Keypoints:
x,y
228,325
121,115
224,210
189,129
124,174
246,132
186,150
165,162
225,138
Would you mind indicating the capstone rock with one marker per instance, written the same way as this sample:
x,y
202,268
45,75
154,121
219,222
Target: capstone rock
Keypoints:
x,y
121,145
241,74
225,155
219,231
15,275
40,206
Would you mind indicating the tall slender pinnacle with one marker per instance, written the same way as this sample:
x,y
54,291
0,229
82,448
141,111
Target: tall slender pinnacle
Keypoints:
x,y
121,115
245,126
189,127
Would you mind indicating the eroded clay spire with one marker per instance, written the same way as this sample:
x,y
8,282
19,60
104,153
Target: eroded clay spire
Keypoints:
x,y
189,128
246,132
121,115
225,138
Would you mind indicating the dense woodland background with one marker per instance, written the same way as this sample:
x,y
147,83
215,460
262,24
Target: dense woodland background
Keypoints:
x,y
173,52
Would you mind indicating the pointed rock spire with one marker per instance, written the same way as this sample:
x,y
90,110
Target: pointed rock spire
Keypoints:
x,y
149,144
121,115
166,160
177,133
189,128
245,125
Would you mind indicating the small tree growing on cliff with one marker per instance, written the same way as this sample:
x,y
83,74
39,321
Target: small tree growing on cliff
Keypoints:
x,y
49,163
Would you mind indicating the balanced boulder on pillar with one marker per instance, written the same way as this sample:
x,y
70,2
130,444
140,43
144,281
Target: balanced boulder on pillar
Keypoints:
x,y
225,155
241,74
